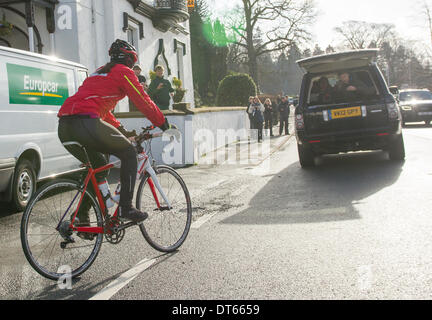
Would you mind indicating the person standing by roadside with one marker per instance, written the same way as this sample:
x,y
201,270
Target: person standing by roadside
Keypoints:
x,y
284,112
137,69
257,110
160,89
251,100
142,80
268,116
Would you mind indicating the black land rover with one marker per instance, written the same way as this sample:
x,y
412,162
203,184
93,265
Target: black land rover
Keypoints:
x,y
345,105
416,105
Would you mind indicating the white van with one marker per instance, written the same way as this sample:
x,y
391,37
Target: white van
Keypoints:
x,y
32,89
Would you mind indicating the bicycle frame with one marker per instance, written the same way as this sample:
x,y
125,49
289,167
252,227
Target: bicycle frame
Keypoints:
x,y
143,167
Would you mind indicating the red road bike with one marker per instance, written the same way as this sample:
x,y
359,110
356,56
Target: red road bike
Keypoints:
x,y
54,240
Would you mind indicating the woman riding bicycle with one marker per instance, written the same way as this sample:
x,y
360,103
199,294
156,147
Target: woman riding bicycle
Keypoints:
x,y
87,118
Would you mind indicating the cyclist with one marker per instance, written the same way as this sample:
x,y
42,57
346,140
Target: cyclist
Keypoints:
x,y
87,119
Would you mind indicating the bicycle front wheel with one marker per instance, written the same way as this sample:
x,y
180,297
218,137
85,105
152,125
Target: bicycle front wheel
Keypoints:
x,y
49,244
166,228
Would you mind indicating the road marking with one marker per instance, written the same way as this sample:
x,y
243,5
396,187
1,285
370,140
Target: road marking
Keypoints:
x,y
201,221
123,280
365,278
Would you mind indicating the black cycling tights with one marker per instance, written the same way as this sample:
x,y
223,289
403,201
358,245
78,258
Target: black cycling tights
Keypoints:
x,y
101,138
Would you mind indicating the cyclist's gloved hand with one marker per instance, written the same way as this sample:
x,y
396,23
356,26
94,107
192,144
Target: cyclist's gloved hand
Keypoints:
x,y
127,134
171,129
165,126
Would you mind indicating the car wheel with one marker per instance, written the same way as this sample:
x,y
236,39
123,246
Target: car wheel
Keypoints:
x,y
24,184
397,149
306,156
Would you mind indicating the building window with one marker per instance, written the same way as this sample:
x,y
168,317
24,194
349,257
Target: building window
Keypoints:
x,y
134,29
180,50
180,73
132,36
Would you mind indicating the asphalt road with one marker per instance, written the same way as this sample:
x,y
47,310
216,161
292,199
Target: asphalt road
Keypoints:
x,y
355,227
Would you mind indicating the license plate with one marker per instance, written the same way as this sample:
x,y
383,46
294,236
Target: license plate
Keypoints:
x,y
345,113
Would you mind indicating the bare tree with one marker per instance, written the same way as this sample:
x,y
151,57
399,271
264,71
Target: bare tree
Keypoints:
x,y
362,35
330,49
427,12
282,23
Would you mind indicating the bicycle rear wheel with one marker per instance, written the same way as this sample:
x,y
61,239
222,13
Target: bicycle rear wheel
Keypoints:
x,y
44,245
167,229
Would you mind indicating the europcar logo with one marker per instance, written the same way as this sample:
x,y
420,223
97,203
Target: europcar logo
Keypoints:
x,y
36,86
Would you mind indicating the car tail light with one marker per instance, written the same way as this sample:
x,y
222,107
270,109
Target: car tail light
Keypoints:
x,y
393,111
299,122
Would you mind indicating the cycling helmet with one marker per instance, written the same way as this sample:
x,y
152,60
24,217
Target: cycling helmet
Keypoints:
x,y
123,52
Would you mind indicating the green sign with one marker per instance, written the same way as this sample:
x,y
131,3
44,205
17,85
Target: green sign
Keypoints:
x,y
36,86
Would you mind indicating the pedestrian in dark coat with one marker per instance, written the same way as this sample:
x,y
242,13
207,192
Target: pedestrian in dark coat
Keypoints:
x,y
160,89
251,100
268,116
257,111
284,111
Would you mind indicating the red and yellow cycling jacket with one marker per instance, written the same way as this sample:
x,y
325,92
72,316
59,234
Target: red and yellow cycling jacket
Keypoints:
x,y
100,93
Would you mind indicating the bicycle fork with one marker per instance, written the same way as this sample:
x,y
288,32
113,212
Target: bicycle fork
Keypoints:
x,y
154,182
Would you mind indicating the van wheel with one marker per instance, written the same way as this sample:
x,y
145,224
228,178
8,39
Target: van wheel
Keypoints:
x,y
306,156
397,149
24,184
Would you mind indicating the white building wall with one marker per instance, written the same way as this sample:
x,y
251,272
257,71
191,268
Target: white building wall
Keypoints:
x,y
85,30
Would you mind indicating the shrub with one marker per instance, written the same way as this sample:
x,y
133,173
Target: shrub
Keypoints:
x,y
179,92
152,75
235,90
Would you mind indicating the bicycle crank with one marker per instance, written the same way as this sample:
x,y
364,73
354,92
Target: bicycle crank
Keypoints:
x,y
115,237
114,234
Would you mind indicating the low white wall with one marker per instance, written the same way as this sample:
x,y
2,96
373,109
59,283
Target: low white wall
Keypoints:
x,y
214,130
202,132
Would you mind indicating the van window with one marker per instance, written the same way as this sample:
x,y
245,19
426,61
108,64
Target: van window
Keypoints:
x,y
342,87
82,75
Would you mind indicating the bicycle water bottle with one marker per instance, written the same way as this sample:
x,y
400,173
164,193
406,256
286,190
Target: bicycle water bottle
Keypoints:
x,y
116,197
104,189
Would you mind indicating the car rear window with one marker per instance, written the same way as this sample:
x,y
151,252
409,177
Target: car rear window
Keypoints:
x,y
342,87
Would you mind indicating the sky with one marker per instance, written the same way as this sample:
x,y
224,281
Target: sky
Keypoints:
x,y
404,14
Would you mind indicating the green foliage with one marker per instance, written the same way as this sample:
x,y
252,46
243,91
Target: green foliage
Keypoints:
x,y
198,100
216,35
177,82
235,90
5,27
179,92
152,75
209,65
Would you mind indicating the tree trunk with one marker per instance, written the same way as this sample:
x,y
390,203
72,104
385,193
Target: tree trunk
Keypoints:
x,y
252,63
253,68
